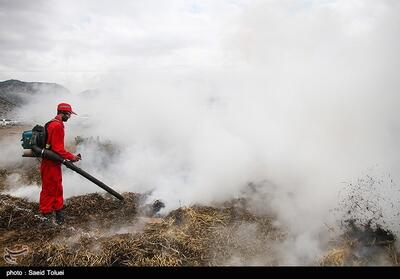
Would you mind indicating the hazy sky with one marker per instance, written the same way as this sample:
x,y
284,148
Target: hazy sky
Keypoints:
x,y
76,43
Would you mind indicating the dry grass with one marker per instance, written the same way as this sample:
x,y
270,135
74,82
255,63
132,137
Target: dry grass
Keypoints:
x,y
338,256
189,236
103,231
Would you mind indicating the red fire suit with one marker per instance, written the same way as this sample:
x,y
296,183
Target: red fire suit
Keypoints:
x,y
51,196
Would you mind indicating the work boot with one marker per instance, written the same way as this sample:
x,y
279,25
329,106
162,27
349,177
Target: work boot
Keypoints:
x,y
60,219
48,218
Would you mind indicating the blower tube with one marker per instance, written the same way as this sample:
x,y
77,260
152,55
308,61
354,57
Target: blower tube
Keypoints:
x,y
48,154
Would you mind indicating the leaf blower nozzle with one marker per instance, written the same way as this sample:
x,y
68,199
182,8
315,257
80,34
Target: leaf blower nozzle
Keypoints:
x,y
48,154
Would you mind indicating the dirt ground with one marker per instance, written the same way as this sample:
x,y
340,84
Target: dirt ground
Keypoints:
x,y
27,169
13,131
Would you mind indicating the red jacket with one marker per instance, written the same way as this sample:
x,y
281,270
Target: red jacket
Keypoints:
x,y
55,138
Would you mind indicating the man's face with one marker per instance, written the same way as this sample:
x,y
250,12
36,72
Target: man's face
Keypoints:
x,y
65,116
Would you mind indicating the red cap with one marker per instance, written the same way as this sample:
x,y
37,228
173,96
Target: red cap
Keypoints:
x,y
65,107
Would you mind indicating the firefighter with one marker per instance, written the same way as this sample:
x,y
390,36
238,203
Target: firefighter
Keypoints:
x,y
51,196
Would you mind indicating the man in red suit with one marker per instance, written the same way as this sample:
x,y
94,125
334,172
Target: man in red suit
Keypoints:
x,y
51,196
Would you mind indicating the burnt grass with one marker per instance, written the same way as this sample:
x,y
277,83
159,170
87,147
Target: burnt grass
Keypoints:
x,y
363,211
367,238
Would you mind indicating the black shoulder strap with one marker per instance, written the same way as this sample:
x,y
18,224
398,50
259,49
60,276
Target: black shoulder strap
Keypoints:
x,y
45,130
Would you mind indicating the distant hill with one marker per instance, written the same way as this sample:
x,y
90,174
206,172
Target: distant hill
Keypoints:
x,y
15,93
5,108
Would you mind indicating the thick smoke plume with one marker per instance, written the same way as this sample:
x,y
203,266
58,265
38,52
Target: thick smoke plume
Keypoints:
x,y
301,97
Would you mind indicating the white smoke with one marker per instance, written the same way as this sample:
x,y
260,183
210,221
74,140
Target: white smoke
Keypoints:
x,y
29,192
305,96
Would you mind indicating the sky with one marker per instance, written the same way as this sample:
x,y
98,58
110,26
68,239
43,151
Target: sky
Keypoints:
x,y
202,98
79,43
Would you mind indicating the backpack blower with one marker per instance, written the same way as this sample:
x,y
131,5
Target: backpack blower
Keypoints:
x,y
34,142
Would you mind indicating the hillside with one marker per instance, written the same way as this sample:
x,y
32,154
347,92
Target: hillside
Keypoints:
x,y
15,93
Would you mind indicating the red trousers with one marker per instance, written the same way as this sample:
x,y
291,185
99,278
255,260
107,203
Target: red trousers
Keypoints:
x,y
51,196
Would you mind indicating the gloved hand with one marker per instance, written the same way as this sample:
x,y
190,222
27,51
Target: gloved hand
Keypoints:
x,y
76,158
